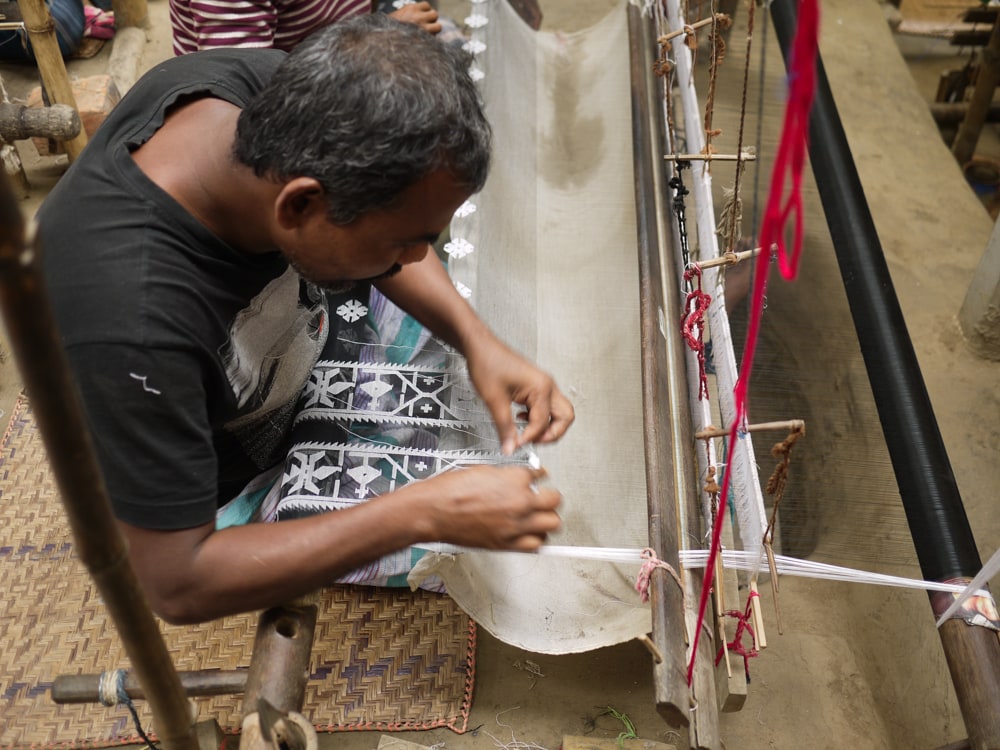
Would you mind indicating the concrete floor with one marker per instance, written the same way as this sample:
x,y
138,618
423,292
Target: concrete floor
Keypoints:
x,y
855,667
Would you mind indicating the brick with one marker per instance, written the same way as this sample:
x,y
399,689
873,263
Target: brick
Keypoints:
x,y
95,97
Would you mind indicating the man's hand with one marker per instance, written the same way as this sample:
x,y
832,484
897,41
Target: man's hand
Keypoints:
x,y
421,14
492,507
502,376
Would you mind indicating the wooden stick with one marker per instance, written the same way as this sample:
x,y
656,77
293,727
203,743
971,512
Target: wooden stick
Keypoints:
x,y
745,156
86,688
691,27
720,614
646,641
789,425
758,618
774,583
728,259
97,538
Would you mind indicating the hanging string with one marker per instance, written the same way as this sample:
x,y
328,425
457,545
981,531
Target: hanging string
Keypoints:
x,y
779,478
743,626
761,79
111,691
789,165
693,323
718,45
734,228
680,190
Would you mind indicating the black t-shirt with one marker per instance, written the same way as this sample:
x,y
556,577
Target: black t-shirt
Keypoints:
x,y
189,354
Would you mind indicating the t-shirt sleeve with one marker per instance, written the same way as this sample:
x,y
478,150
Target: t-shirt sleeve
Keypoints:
x,y
151,430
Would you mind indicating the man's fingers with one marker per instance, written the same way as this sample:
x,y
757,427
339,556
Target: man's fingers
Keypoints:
x,y
528,543
538,413
506,429
548,419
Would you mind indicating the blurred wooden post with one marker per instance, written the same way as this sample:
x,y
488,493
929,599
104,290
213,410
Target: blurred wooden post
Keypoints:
x,y
964,145
52,68
130,13
276,681
979,316
58,412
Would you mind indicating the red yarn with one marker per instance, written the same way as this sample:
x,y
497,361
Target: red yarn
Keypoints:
x,y
789,164
743,626
693,325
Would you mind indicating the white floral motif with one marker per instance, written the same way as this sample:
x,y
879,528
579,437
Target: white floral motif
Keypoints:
x,y
476,21
363,475
466,209
458,248
302,471
474,46
463,290
476,74
352,310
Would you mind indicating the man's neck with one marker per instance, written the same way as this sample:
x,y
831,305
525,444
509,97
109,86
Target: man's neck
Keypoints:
x,y
190,157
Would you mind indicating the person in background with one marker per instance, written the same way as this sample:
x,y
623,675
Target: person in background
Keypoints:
x,y
72,20
278,24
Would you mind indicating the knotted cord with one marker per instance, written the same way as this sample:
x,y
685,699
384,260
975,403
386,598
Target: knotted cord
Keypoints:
x,y
111,692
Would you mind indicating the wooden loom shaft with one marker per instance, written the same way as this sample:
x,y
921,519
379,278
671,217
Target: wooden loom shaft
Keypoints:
x,y
59,414
667,438
86,688
942,536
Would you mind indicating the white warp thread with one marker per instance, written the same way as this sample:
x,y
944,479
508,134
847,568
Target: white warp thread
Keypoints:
x,y
748,561
974,588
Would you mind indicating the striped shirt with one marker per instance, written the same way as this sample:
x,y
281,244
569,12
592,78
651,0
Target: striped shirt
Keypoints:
x,y
281,24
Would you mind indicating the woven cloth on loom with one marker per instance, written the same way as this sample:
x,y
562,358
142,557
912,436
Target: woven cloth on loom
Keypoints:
x,y
549,258
546,253
382,660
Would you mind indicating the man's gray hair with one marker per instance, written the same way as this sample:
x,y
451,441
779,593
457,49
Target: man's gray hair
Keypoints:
x,y
367,107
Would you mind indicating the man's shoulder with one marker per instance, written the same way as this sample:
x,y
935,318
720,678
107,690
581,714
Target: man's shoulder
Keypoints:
x,y
243,72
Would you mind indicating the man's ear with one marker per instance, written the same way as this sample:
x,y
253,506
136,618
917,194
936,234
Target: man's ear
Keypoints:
x,y
299,199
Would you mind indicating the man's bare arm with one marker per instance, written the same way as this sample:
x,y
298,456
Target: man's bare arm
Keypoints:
x,y
199,574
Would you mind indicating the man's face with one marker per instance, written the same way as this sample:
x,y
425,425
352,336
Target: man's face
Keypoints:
x,y
379,243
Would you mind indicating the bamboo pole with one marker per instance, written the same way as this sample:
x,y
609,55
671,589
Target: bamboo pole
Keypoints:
x,y
51,67
97,539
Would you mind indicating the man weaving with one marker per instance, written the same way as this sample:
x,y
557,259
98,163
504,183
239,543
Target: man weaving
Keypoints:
x,y
187,252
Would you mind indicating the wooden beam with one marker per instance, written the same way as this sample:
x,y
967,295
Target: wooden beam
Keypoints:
x,y
666,428
97,539
51,66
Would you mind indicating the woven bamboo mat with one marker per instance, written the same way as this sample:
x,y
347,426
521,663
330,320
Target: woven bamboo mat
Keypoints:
x,y
383,659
